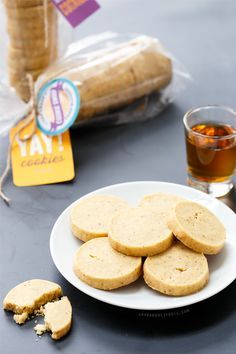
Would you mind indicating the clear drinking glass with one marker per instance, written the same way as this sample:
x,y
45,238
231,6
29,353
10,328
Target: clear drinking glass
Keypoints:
x,y
210,135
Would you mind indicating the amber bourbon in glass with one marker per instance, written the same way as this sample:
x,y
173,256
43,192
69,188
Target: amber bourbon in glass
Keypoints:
x,y
211,148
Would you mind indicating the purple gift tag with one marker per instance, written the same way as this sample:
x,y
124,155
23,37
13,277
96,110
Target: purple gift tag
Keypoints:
x,y
76,11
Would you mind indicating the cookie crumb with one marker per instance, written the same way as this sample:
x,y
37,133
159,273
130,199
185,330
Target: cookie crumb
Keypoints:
x,y
40,329
20,319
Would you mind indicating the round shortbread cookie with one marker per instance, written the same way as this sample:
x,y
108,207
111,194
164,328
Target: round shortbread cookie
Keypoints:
x,y
139,232
25,37
25,3
22,89
29,57
178,271
38,44
197,228
91,217
20,82
99,265
161,203
21,76
34,51
37,24
29,13
27,65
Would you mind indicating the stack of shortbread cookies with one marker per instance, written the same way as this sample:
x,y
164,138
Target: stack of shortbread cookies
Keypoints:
x,y
32,29
172,233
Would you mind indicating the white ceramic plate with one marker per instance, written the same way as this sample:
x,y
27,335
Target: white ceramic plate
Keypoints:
x,y
63,246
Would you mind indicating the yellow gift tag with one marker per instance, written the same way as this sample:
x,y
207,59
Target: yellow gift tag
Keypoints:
x,y
41,159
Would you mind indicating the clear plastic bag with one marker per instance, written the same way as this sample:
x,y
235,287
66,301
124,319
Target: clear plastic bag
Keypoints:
x,y
12,109
32,28
121,78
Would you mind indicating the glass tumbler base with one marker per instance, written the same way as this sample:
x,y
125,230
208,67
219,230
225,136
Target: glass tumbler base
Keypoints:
x,y
215,189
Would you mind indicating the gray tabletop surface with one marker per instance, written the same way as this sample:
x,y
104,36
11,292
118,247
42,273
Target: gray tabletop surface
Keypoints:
x,y
201,34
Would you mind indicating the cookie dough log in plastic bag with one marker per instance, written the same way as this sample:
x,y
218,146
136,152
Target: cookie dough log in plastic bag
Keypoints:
x,y
32,31
121,78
